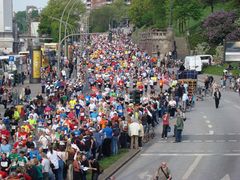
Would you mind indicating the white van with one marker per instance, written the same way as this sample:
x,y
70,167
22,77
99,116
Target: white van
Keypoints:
x,y
206,59
193,63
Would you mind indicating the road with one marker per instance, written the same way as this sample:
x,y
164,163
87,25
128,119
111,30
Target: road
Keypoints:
x,y
210,149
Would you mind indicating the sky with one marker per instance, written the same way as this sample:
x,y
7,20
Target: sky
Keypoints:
x,y
20,5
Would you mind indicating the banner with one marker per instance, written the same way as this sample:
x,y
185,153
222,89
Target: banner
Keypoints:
x,y
36,64
232,51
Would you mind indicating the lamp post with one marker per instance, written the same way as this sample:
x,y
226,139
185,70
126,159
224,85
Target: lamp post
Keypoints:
x,y
65,31
59,35
64,22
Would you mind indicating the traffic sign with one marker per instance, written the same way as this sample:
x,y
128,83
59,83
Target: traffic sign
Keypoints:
x,y
11,59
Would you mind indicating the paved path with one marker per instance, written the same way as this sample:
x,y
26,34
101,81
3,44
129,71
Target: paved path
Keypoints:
x,y
210,149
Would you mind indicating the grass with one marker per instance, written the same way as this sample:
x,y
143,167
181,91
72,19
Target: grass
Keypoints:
x,y
108,161
218,69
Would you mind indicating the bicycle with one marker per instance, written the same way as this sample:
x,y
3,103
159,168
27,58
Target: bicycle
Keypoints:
x,y
149,134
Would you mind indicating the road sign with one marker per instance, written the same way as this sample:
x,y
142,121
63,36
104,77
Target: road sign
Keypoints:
x,y
11,59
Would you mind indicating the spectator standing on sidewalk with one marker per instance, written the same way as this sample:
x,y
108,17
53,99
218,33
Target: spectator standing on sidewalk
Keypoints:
x,y
27,93
165,127
5,99
133,131
217,97
179,126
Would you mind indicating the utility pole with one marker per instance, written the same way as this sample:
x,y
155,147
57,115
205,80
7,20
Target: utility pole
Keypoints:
x,y
29,10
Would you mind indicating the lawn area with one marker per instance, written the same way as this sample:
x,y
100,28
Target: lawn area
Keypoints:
x,y
108,161
218,69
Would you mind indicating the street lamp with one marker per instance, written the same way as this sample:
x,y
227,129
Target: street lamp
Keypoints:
x,y
64,22
59,35
65,31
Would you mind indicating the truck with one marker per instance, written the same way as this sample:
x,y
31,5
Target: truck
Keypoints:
x,y
188,77
193,63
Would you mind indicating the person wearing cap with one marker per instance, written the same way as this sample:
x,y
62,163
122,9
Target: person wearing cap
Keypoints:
x,y
163,172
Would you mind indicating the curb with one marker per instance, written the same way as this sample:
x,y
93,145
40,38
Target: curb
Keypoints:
x,y
119,164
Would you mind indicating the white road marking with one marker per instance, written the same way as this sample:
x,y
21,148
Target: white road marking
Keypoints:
x,y
198,134
209,141
205,117
211,132
220,141
186,141
209,126
197,141
231,154
226,177
236,106
232,140
192,167
207,121
191,154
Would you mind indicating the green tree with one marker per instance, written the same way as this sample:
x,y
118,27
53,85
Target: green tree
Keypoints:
x,y
210,3
100,19
184,11
149,13
21,20
108,15
49,26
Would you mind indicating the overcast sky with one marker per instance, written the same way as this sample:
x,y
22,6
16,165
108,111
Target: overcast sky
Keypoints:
x,y
20,5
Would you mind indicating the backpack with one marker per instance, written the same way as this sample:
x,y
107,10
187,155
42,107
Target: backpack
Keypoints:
x,y
116,131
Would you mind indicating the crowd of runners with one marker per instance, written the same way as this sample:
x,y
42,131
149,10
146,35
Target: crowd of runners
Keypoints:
x,y
88,112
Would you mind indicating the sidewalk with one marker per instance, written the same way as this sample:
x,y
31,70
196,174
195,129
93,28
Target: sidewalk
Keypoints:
x,y
35,89
202,77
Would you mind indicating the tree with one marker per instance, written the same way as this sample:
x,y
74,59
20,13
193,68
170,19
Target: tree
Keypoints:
x,y
108,15
202,48
21,20
149,13
210,3
100,19
219,25
54,9
184,11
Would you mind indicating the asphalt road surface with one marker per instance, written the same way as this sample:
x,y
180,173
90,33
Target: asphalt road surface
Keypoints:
x,y
210,149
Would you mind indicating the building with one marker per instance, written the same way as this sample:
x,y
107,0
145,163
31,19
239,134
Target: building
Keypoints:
x,y
157,42
6,26
91,4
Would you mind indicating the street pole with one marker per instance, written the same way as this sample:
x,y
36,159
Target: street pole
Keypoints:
x,y
65,31
65,23
59,36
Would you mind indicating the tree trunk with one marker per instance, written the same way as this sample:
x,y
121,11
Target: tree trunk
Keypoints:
x,y
212,7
